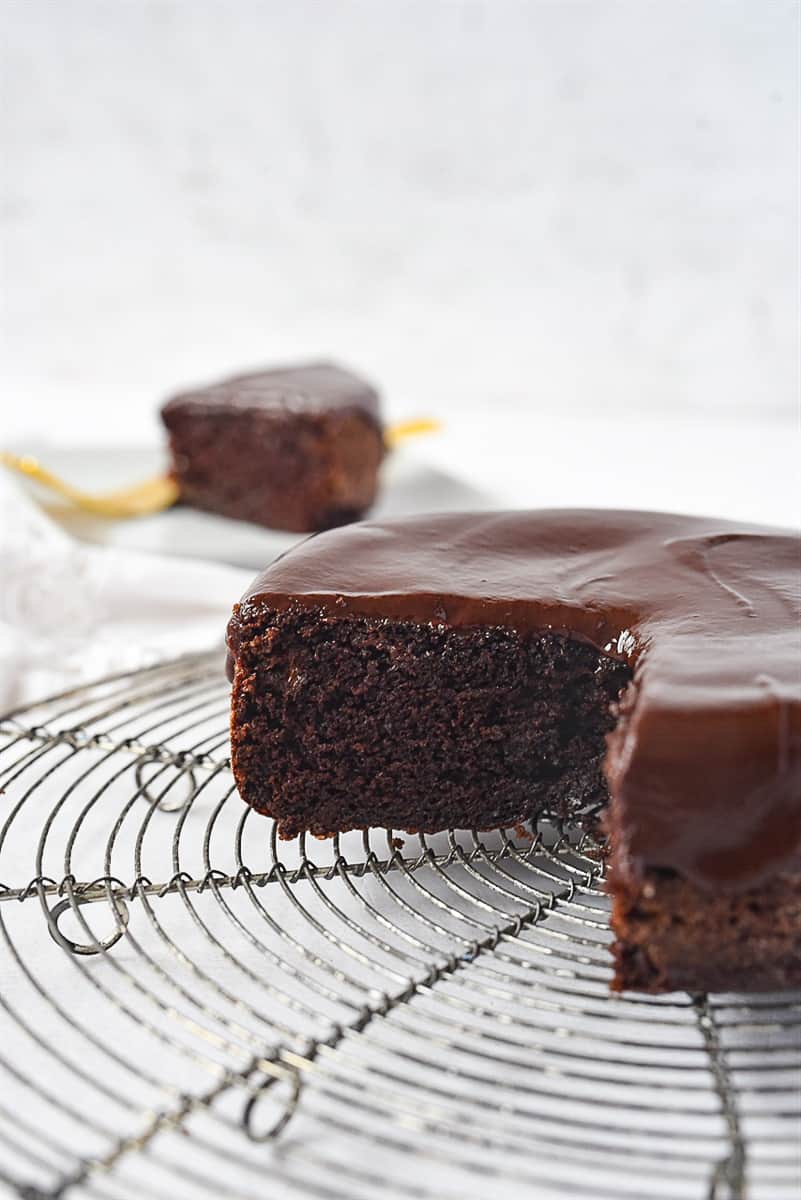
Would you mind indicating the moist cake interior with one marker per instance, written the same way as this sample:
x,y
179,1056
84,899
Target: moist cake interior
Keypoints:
x,y
375,722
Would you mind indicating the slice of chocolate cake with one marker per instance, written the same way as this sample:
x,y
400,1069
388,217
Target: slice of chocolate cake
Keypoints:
x,y
296,448
481,669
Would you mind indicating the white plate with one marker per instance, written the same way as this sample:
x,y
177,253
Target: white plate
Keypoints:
x,y
408,486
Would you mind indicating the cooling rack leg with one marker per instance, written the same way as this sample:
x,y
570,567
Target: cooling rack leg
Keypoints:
x,y
85,948
728,1176
288,1077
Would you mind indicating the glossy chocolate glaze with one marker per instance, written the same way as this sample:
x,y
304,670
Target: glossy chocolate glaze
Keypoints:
x,y
311,389
704,766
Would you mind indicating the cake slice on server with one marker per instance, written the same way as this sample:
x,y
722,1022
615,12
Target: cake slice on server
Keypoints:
x,y
477,670
294,448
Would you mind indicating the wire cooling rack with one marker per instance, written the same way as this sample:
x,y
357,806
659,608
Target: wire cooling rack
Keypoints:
x,y
191,1008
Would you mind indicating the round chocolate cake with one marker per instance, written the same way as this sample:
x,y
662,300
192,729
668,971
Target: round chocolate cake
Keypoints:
x,y
476,670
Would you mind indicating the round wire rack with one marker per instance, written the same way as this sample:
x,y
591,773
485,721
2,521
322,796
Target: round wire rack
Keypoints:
x,y
190,1007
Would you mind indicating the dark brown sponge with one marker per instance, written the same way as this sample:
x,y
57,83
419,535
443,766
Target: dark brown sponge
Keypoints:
x,y
674,936
296,449
351,723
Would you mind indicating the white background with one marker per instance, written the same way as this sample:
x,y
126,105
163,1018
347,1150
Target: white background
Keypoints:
x,y
569,228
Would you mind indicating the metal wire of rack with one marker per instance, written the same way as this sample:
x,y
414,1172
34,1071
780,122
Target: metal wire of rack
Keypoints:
x,y
190,1007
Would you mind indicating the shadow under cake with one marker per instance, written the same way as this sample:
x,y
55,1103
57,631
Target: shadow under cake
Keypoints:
x,y
477,670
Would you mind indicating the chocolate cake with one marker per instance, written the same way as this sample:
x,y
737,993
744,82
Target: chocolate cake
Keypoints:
x,y
296,448
476,670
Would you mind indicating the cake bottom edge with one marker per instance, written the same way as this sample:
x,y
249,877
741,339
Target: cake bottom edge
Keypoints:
x,y
671,935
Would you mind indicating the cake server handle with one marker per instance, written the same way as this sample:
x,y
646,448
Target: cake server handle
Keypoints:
x,y
403,430
138,500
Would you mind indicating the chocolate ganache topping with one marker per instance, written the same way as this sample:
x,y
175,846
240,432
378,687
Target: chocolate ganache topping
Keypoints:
x,y
704,765
315,388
